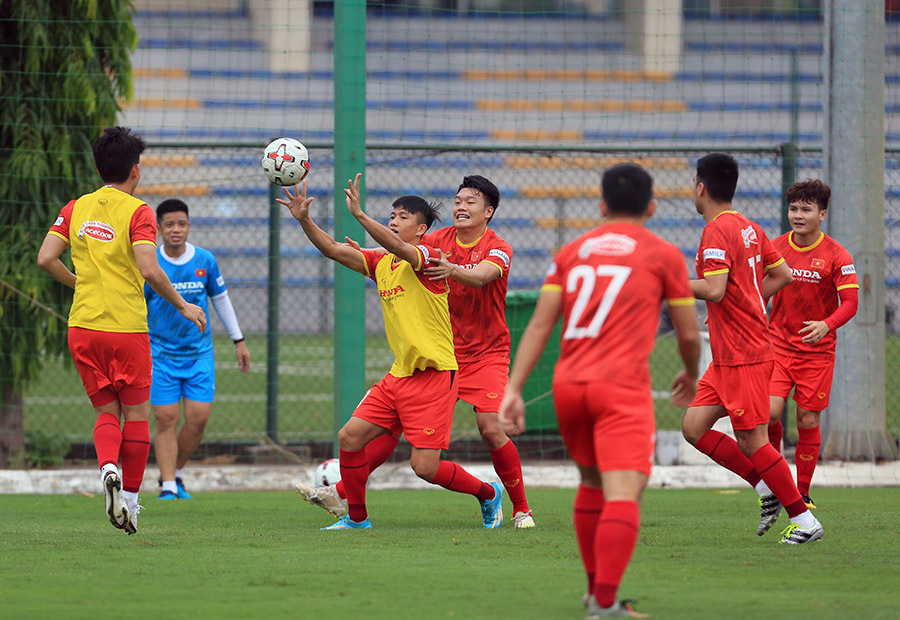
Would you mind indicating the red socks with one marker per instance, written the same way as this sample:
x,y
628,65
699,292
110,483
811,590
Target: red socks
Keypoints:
x,y
589,503
806,456
107,439
454,478
134,453
378,451
354,475
617,534
509,469
724,450
776,434
775,471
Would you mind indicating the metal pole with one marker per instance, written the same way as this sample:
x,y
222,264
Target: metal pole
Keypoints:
x,y
855,426
274,295
349,158
788,177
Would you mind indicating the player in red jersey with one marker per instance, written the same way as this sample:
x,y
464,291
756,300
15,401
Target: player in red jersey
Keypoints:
x,y
609,286
112,236
804,318
416,397
737,269
475,261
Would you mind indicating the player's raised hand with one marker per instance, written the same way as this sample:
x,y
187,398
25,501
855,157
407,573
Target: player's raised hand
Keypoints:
x,y
814,330
352,193
683,389
439,268
297,201
195,315
512,413
353,244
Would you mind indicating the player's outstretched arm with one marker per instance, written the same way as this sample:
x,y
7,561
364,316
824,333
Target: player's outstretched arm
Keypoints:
x,y
440,269
298,203
531,346
145,256
684,318
379,232
776,278
48,260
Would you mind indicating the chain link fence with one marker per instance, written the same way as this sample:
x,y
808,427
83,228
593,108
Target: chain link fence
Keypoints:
x,y
547,199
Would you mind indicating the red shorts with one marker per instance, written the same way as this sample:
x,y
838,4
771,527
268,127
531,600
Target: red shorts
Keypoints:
x,y
113,366
811,376
608,426
420,406
742,390
482,383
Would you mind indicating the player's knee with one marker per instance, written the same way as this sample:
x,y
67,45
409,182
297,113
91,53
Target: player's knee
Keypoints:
x,y
807,419
690,432
426,469
166,422
494,437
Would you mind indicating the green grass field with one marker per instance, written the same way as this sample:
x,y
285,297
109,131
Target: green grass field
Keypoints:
x,y
261,555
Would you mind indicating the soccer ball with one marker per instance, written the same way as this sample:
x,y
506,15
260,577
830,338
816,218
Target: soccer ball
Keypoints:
x,y
328,473
285,161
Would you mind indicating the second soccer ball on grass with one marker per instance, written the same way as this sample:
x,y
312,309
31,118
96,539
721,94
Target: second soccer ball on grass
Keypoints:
x,y
328,473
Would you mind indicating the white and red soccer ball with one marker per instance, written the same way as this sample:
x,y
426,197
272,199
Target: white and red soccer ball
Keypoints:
x,y
285,161
328,473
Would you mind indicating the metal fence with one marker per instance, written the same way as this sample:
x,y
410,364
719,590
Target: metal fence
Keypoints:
x,y
548,197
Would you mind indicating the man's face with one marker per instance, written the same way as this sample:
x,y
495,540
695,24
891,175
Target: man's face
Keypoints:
x,y
174,228
405,224
471,210
805,217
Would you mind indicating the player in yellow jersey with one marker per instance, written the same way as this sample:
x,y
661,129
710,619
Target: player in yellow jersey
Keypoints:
x,y
417,396
112,236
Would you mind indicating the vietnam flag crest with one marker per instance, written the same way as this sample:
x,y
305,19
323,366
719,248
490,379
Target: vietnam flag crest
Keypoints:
x,y
200,273
818,263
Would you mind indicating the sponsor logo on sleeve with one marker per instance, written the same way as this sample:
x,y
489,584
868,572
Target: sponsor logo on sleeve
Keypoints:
x,y
220,281
713,254
59,221
848,270
424,251
98,231
501,255
200,273
552,269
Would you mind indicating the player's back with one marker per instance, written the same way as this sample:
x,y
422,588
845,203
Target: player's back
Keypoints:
x,y
109,287
738,328
613,281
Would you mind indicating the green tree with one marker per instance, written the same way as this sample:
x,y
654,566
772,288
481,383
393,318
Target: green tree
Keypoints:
x,y
64,67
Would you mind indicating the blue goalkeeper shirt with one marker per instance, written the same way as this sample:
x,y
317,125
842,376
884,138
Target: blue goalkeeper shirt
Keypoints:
x,y
195,275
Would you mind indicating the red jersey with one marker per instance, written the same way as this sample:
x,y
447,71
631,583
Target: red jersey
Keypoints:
x,y
738,330
478,315
820,271
613,281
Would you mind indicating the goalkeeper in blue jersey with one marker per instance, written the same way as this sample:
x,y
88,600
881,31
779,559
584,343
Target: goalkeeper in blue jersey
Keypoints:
x,y
183,366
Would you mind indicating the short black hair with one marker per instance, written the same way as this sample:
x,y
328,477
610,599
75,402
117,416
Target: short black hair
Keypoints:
x,y
627,189
429,212
171,205
116,151
484,187
719,173
810,190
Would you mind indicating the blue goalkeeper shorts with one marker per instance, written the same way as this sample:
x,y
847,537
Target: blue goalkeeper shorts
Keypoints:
x,y
177,378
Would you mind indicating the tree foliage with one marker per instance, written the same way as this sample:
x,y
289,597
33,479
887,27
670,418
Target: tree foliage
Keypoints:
x,y
64,67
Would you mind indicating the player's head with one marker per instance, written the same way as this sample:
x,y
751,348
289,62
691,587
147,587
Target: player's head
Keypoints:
x,y
810,191
116,153
476,202
627,191
173,221
412,216
717,177
807,204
